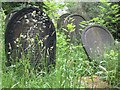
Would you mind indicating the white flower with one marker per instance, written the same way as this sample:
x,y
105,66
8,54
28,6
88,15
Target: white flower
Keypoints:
x,y
25,16
14,41
9,46
24,36
29,45
44,14
27,21
17,39
21,36
34,12
8,52
32,40
42,31
34,20
44,26
17,45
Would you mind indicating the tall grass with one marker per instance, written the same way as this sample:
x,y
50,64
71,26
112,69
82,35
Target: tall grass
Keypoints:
x,y
72,65
2,56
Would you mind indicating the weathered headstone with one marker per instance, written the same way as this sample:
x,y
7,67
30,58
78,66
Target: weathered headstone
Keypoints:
x,y
60,22
96,41
74,33
31,32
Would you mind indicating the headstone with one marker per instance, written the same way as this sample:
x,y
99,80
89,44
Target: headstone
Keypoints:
x,y
31,32
96,41
60,22
74,33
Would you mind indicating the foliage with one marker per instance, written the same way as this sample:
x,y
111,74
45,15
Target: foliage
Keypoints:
x,y
52,9
13,6
109,18
2,56
73,68
71,27
103,13
87,10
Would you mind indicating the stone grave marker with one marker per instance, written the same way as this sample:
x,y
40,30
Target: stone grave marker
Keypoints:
x,y
30,32
96,41
73,28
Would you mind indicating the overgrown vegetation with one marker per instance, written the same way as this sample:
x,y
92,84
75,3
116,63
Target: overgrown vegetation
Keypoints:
x,y
73,69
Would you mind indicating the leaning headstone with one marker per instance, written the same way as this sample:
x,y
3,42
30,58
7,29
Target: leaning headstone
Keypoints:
x,y
73,27
60,22
96,41
30,32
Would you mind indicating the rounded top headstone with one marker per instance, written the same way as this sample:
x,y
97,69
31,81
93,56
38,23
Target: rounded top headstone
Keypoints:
x,y
30,30
75,19
73,28
96,41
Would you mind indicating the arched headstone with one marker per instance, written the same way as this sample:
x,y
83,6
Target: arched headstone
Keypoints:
x,y
74,21
30,31
60,22
96,41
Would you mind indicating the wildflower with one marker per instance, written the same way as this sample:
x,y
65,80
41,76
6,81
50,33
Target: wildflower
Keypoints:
x,y
17,39
42,31
44,26
44,14
17,45
9,46
25,16
51,48
34,20
24,36
40,22
9,52
34,12
27,21
21,36
14,41
29,45
32,40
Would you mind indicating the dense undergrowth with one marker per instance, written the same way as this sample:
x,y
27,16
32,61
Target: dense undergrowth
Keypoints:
x,y
73,68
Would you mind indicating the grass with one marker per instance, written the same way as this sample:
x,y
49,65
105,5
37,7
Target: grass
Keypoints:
x,y
73,69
